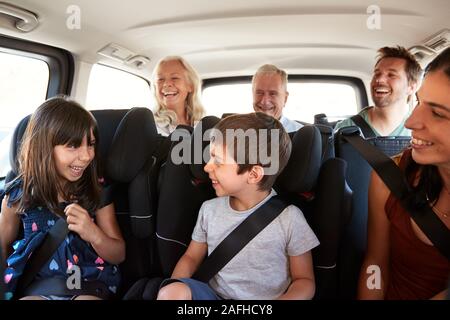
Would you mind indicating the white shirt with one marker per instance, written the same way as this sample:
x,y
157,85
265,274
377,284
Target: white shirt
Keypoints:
x,y
290,125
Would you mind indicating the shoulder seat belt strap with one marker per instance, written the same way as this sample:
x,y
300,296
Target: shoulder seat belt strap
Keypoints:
x,y
395,180
42,254
364,126
240,237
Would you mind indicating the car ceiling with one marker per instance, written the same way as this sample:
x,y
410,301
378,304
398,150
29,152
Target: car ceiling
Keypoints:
x,y
234,37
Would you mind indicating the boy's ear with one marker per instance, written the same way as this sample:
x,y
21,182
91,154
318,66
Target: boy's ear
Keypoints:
x,y
256,174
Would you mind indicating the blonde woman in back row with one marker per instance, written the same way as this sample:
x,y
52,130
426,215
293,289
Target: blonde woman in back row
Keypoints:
x,y
177,87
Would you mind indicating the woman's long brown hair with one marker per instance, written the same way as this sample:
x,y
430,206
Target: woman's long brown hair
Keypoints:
x,y
58,121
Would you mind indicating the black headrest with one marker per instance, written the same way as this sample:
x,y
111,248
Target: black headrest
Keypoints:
x,y
15,142
197,162
107,123
133,144
348,131
302,170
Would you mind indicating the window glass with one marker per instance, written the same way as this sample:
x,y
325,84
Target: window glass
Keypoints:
x,y
111,88
337,100
23,87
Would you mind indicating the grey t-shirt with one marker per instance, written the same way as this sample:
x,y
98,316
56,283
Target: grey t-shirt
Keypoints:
x,y
261,269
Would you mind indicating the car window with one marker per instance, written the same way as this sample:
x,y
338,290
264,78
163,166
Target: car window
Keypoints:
x,y
110,88
306,98
24,87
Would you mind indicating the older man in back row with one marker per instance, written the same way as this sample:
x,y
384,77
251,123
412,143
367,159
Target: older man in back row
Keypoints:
x,y
269,85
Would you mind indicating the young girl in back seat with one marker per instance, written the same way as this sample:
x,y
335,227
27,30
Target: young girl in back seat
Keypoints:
x,y
58,179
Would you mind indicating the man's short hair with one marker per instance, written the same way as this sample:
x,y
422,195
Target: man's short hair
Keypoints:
x,y
271,69
263,125
412,67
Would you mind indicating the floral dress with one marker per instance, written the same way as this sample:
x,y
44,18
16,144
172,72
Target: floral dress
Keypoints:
x,y
72,251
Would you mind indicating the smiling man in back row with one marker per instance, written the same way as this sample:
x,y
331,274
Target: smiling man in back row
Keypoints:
x,y
395,80
269,86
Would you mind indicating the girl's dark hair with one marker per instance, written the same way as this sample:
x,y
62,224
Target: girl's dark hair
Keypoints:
x,y
58,121
430,182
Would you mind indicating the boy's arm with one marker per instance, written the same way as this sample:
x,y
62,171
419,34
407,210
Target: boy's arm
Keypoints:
x,y
302,274
191,259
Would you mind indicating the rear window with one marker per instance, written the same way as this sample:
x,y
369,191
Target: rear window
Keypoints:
x,y
337,99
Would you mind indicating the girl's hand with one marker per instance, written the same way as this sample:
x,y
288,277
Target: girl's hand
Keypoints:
x,y
79,221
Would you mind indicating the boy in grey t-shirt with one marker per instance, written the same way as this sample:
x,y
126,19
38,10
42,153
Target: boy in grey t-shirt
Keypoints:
x,y
277,263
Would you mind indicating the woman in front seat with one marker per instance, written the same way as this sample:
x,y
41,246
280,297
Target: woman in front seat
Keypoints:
x,y
409,265
177,87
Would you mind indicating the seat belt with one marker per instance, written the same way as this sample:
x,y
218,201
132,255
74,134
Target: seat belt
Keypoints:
x,y
395,180
364,126
42,254
240,237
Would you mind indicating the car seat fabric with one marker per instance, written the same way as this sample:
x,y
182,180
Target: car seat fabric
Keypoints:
x,y
327,135
15,145
130,161
132,166
184,188
320,191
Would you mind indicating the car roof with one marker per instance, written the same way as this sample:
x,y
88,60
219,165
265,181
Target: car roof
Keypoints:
x,y
234,37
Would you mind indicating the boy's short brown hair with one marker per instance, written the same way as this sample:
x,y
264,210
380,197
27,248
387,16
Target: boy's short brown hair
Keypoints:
x,y
263,125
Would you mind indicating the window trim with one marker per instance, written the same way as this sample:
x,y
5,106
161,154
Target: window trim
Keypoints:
x,y
356,83
113,67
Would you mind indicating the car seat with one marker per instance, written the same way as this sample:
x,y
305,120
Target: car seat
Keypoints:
x,y
318,190
127,141
358,177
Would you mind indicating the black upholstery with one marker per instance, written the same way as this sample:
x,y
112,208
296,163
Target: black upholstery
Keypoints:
x,y
322,119
14,147
320,191
358,177
331,214
327,135
133,168
183,189
302,169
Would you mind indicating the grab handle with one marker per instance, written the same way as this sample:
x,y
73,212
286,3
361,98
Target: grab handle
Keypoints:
x,y
27,21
